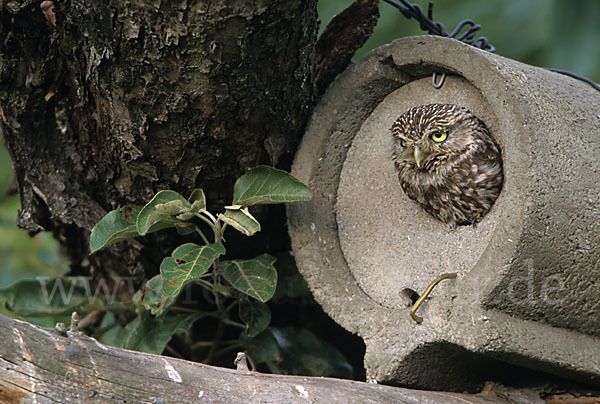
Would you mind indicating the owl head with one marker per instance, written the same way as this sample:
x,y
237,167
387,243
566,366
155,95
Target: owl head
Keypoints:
x,y
447,162
429,137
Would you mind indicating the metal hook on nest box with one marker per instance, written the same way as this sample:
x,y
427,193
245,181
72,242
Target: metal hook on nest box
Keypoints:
x,y
420,300
435,82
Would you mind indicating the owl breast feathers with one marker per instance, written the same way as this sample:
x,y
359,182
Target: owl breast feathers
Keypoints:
x,y
447,162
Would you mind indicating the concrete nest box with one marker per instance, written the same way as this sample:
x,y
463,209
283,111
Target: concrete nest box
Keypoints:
x,y
527,291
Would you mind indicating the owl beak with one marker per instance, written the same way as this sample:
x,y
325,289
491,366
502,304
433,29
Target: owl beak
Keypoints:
x,y
419,156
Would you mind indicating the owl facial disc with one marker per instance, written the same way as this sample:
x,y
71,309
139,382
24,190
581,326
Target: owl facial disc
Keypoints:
x,y
448,162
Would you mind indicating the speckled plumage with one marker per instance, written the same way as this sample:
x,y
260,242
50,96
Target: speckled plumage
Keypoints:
x,y
456,179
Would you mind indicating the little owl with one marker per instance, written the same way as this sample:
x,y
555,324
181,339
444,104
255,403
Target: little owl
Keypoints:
x,y
447,162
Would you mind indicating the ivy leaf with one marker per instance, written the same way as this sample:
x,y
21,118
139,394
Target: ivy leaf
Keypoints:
x,y
117,225
268,185
113,333
183,229
300,352
256,316
225,290
255,277
153,299
187,263
198,203
290,284
45,297
152,334
240,219
198,200
185,216
160,212
262,348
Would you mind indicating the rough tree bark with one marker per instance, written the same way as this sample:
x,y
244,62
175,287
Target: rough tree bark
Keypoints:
x,y
39,366
103,103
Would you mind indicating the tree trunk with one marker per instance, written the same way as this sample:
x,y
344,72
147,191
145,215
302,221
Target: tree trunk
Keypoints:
x,y
41,366
105,103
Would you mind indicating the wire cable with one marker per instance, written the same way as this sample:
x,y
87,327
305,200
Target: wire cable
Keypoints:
x,y
426,23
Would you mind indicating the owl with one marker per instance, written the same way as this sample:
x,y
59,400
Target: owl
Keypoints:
x,y
447,162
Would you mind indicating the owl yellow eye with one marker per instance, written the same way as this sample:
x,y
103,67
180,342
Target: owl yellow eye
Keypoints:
x,y
403,143
439,137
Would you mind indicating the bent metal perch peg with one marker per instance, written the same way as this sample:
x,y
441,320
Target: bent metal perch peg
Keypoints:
x,y
420,300
521,269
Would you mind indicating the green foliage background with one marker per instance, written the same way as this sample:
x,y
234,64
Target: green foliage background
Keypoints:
x,y
561,34
549,33
20,255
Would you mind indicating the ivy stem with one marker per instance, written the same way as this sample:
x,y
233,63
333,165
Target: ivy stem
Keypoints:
x,y
234,323
206,344
206,284
219,228
173,352
185,309
218,301
230,347
216,342
202,344
210,215
205,219
232,305
202,235
100,331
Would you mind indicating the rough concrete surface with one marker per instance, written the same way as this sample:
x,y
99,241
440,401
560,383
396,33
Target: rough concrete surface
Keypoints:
x,y
528,290
406,248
